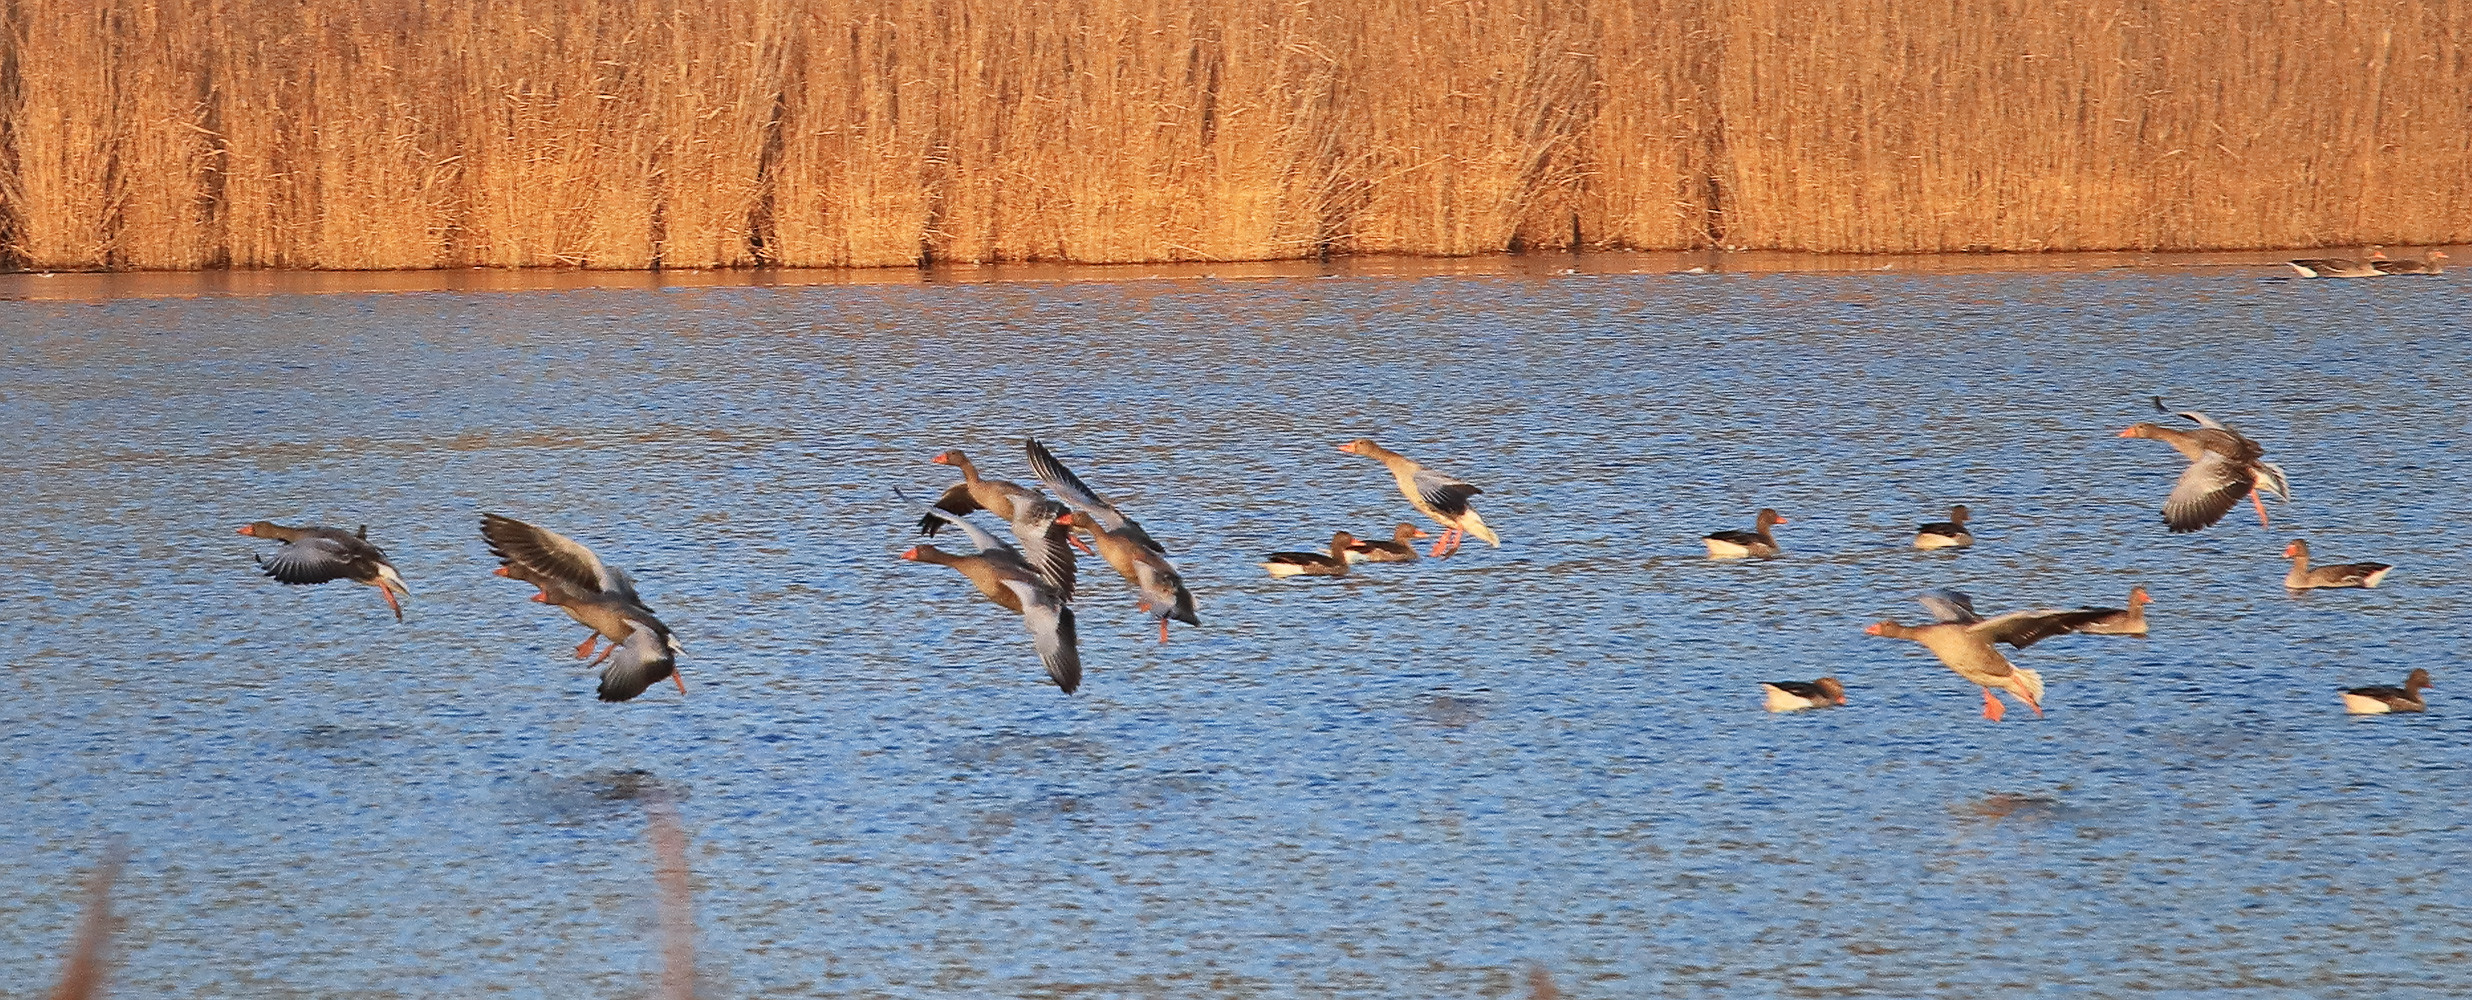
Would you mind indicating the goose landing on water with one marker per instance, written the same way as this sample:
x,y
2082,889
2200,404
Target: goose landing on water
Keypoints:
x,y
1963,641
318,555
597,595
1444,498
2223,467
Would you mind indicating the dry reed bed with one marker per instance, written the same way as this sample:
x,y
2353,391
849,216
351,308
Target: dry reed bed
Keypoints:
x,y
638,133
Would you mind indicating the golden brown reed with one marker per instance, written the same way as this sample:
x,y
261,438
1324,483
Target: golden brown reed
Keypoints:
x,y
641,133
82,975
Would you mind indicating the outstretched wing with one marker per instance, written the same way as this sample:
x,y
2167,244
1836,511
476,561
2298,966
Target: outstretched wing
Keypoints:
x,y
1051,627
1446,494
2201,419
956,500
309,559
1044,545
2207,490
2025,628
548,553
1950,607
648,655
1061,481
978,535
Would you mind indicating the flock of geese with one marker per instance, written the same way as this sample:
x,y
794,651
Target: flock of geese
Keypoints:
x,y
1034,576
2372,266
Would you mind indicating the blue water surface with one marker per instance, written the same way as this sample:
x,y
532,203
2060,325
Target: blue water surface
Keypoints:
x,y
1416,782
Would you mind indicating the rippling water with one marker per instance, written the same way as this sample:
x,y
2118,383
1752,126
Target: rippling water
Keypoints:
x,y
1415,782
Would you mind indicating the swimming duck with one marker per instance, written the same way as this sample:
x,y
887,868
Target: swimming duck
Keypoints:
x,y
2302,577
2122,621
1285,564
2381,700
1746,544
1795,696
1400,548
2338,267
2428,265
1949,534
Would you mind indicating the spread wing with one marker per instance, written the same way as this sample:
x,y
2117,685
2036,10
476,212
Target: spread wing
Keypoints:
x,y
1164,589
1061,481
648,655
311,559
978,536
546,553
1044,545
1051,625
1950,606
1444,493
2025,628
2209,489
2201,419
956,500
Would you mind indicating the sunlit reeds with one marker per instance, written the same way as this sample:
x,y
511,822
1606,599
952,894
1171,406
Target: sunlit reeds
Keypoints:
x,y
639,133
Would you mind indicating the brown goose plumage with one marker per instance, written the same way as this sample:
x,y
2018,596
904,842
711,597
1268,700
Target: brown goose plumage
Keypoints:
x,y
1401,547
1759,543
974,493
1284,564
2305,577
2428,265
599,596
2130,620
2339,267
1964,645
318,555
2224,466
1440,496
2381,700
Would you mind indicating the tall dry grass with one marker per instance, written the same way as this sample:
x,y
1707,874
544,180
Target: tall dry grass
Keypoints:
x,y
642,133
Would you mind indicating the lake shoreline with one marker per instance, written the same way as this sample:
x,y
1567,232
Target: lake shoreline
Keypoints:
x,y
88,285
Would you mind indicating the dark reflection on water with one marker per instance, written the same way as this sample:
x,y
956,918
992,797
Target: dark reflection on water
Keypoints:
x,y
1413,782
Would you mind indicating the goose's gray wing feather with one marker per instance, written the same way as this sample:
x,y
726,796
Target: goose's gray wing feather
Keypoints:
x,y
310,559
2025,628
1051,627
1443,492
648,656
2207,490
1950,607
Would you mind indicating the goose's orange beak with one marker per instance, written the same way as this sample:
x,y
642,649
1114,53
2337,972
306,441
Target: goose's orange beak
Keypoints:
x,y
912,554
